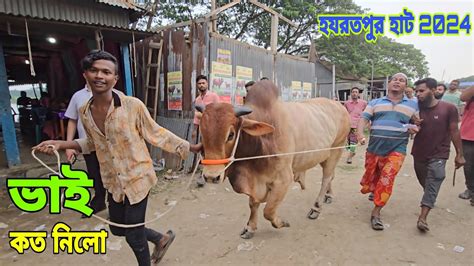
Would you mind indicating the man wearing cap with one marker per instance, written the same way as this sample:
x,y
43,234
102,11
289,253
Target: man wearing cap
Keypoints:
x,y
390,118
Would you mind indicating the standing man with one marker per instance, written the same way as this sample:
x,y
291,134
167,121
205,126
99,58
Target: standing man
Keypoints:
x,y
439,126
390,117
205,97
24,113
453,95
77,101
410,93
440,90
23,100
125,164
467,136
355,107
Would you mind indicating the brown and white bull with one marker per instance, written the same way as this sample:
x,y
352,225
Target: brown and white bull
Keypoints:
x,y
270,126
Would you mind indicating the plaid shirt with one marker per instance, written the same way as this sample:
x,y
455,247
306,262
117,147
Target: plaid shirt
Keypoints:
x,y
125,164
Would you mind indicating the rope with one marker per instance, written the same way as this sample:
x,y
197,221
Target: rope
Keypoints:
x,y
110,222
30,56
291,153
231,160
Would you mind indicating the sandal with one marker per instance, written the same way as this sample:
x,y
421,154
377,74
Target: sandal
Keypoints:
x,y
422,226
371,196
376,223
159,253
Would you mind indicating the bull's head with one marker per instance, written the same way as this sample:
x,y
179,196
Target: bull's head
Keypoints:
x,y
219,126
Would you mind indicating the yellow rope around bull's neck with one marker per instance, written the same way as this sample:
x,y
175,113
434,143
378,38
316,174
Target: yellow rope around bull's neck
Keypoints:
x,y
110,222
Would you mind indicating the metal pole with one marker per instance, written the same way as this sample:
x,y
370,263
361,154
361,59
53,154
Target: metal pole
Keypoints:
x,y
6,119
372,79
334,81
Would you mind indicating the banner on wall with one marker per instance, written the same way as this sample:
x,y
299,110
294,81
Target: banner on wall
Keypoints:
x,y
224,56
307,90
242,76
221,81
175,90
296,90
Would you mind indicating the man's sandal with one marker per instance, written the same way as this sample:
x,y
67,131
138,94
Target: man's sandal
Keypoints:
x,y
422,226
376,223
159,253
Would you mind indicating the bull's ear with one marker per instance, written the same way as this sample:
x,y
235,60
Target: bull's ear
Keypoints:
x,y
255,128
200,107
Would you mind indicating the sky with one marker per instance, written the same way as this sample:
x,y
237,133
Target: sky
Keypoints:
x,y
448,57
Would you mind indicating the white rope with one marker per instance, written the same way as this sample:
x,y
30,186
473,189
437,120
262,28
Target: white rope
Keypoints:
x,y
30,56
110,222
232,159
291,153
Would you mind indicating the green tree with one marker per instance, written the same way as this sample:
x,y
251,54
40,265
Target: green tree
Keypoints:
x,y
251,24
355,56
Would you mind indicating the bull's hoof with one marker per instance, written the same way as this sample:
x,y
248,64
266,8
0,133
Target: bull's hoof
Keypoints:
x,y
313,214
282,224
246,234
327,199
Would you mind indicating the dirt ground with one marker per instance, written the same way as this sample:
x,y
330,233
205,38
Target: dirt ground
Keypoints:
x,y
208,221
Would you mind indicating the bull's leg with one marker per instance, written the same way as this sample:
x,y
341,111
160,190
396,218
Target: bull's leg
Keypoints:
x,y
276,195
249,230
328,174
329,195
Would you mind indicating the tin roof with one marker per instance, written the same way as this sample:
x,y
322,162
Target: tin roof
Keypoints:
x,y
108,13
126,4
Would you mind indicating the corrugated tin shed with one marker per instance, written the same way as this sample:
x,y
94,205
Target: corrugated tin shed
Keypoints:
x,y
108,13
121,3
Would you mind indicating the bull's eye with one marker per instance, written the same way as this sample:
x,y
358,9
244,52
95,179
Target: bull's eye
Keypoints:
x,y
231,136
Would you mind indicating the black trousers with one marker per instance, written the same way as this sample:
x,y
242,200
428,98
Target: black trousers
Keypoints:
x,y
93,168
468,152
136,237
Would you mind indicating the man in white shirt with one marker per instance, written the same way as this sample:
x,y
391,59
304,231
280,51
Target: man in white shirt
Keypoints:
x,y
77,101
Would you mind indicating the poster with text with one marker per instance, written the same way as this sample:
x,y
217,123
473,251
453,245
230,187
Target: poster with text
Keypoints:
x,y
306,90
296,90
175,90
221,81
224,56
286,94
242,75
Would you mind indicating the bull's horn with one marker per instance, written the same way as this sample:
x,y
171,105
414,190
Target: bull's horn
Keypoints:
x,y
200,107
242,110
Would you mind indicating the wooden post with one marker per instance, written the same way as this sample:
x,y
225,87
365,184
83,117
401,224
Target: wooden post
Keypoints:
x,y
213,18
6,119
97,40
274,34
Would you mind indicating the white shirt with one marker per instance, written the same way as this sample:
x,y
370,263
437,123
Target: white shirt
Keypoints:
x,y
77,101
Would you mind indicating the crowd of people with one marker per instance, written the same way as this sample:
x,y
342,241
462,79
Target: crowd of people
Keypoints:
x,y
43,114
432,112
118,160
